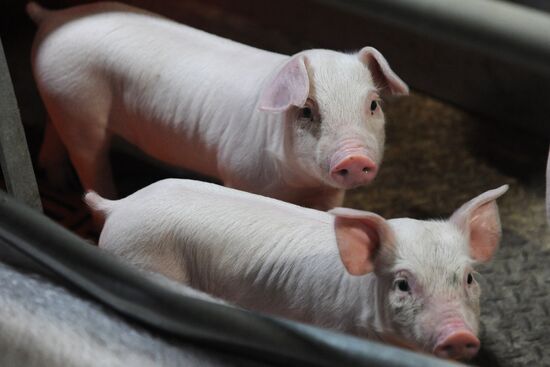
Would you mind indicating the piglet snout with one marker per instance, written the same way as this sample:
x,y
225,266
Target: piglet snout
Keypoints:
x,y
353,170
460,344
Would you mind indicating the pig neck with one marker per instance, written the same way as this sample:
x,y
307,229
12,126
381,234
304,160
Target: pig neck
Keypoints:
x,y
265,139
329,296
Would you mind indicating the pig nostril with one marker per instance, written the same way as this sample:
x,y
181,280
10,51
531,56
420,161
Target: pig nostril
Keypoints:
x,y
470,346
366,169
343,172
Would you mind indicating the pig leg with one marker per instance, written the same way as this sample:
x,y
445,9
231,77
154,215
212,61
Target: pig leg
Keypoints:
x,y
53,158
94,170
91,162
87,142
81,118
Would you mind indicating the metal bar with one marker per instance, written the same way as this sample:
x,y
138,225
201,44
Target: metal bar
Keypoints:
x,y
505,30
487,57
14,154
271,340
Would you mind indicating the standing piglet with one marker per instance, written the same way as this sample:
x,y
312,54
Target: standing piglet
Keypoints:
x,y
402,280
299,128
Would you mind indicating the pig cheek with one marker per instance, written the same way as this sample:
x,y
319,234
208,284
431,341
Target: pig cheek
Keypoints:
x,y
472,305
307,150
314,141
372,133
405,311
379,133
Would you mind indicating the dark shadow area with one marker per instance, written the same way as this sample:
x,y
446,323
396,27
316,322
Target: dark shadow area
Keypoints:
x,y
513,152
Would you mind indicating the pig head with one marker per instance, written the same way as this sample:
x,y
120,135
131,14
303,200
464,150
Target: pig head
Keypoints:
x,y
332,107
427,292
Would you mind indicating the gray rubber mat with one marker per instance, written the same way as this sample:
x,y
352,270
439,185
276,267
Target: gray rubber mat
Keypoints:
x,y
516,305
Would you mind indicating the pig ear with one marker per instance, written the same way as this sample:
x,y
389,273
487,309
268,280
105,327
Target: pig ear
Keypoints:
x,y
361,237
290,87
479,220
382,74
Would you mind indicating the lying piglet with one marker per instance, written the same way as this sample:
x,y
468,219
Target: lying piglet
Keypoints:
x,y
400,280
299,128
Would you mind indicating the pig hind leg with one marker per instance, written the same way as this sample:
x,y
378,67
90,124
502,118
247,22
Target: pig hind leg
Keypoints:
x,y
91,161
81,115
87,140
90,158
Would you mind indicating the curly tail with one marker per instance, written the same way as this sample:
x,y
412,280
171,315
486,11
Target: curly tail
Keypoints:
x,y
36,12
98,204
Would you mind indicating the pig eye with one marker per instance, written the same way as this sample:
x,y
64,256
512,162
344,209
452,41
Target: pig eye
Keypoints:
x,y
373,106
403,285
470,278
306,113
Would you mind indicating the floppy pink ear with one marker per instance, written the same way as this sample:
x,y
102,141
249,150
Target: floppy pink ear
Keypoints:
x,y
382,74
480,221
290,87
360,236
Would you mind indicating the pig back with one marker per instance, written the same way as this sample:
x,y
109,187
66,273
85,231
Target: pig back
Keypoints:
x,y
229,243
180,94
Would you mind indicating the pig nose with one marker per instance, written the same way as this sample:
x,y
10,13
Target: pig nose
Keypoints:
x,y
459,345
354,170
